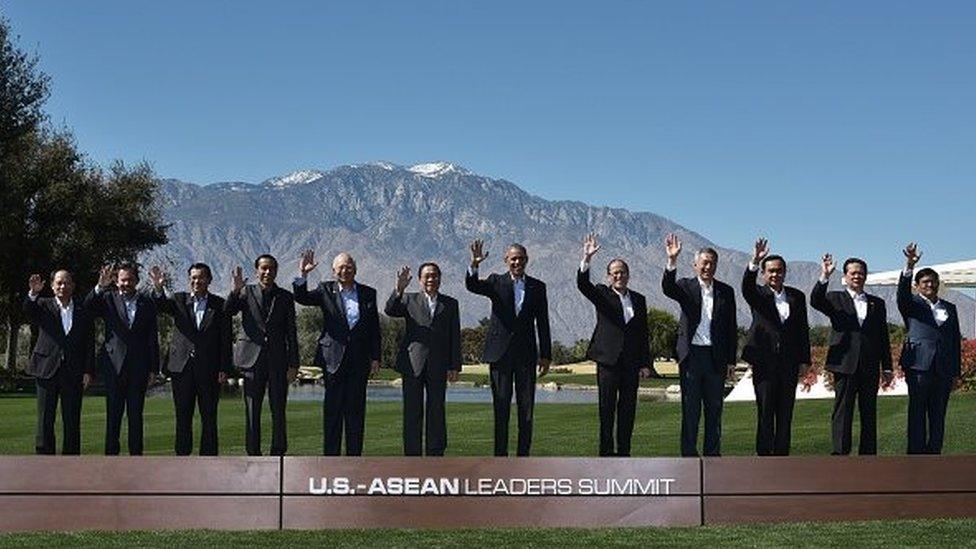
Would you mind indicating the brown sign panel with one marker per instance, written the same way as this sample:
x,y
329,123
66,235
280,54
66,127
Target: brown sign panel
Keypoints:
x,y
64,512
838,475
306,512
139,475
836,507
481,477
489,492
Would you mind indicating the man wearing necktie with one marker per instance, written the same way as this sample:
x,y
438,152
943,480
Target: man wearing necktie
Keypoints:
x,y
620,346
931,355
777,348
859,352
348,348
519,309
63,360
200,356
428,357
706,344
266,350
129,355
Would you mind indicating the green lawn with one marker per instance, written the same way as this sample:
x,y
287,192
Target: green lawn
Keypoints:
x,y
560,430
889,534
482,380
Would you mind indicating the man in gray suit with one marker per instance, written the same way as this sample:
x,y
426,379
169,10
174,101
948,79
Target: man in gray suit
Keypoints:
x,y
348,351
63,361
130,354
266,350
930,356
429,356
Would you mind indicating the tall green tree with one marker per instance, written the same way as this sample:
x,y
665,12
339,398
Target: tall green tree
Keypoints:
x,y
57,209
662,329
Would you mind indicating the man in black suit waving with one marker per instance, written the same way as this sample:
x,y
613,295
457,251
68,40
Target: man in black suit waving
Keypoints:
x,y
129,355
931,355
348,351
266,350
620,346
199,354
63,360
429,356
778,348
519,308
706,344
859,351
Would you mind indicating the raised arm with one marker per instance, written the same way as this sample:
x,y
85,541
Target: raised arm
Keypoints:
x,y
235,299
818,295
669,282
35,284
304,296
164,303
904,295
583,284
394,304
749,289
471,281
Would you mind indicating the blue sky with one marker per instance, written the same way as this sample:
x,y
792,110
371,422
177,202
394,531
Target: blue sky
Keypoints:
x,y
841,126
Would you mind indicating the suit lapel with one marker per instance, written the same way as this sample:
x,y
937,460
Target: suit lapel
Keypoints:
x,y
116,299
254,302
769,296
56,311
208,314
340,307
507,292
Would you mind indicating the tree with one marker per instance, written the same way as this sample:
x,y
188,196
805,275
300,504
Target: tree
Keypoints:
x,y
23,90
662,328
473,342
58,210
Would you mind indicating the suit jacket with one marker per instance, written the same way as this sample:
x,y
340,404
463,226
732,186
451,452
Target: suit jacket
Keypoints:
x,y
432,342
209,345
137,345
272,335
614,341
507,328
850,342
771,341
75,350
687,292
928,346
337,341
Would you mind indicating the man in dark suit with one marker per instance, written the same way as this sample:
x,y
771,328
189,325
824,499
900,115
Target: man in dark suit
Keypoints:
x,y
348,351
200,355
63,360
130,354
859,351
706,345
778,348
620,346
429,356
266,350
931,355
519,308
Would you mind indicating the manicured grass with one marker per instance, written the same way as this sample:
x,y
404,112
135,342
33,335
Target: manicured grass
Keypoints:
x,y
482,380
560,429
888,534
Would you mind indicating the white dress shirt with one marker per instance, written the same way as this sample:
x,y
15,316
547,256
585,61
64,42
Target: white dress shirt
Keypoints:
x,y
860,305
350,302
782,305
703,333
199,308
130,307
518,285
431,303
